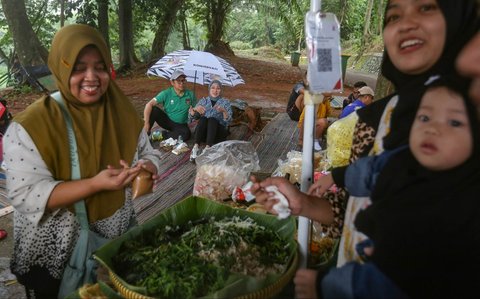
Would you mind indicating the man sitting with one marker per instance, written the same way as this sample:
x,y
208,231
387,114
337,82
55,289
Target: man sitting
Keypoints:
x,y
365,98
295,102
354,95
176,102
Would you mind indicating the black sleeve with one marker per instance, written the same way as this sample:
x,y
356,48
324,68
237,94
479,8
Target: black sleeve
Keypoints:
x,y
372,113
338,175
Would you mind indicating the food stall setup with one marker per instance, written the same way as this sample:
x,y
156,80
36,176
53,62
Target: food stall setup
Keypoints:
x,y
210,245
202,248
214,244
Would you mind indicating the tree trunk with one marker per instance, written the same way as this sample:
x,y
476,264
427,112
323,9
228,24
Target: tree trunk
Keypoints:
x,y
366,28
164,28
62,13
383,87
30,51
218,10
343,11
103,20
127,51
185,35
4,58
380,12
366,31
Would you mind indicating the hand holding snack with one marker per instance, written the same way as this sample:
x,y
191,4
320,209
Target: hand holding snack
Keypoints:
x,y
143,182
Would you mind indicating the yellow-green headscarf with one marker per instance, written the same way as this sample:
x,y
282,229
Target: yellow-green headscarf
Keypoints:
x,y
106,131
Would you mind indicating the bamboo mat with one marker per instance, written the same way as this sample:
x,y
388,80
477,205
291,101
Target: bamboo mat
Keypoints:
x,y
178,174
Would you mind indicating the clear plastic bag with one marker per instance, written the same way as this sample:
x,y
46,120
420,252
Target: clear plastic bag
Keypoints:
x,y
293,165
339,140
223,167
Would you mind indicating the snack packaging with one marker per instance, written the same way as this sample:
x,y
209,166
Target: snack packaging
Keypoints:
x,y
339,140
142,184
180,148
224,167
243,194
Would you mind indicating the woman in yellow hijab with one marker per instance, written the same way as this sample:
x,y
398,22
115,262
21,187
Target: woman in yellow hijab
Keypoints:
x,y
112,149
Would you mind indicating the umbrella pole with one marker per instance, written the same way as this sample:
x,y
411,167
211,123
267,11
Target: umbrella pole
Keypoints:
x,y
307,161
194,83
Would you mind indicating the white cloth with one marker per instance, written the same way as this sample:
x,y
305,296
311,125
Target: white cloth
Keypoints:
x,y
282,207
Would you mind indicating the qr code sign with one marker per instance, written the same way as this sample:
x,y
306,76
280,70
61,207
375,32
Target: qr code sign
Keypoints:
x,y
324,60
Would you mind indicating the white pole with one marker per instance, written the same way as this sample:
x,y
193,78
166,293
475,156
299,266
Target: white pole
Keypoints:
x,y
307,163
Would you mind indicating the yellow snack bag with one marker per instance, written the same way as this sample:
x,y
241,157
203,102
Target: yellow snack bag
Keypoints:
x,y
339,140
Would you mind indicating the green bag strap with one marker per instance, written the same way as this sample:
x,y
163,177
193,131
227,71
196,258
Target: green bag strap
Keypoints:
x,y
80,209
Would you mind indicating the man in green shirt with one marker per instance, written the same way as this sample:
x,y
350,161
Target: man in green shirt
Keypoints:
x,y
176,103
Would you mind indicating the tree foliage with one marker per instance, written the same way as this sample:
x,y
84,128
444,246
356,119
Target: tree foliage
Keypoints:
x,y
162,26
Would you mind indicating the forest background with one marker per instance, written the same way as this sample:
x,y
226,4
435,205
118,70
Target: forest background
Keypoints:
x,y
140,32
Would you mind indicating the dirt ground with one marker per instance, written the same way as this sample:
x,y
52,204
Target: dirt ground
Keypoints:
x,y
268,83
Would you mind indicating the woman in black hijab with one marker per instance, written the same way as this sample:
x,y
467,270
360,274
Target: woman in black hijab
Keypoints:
x,y
424,220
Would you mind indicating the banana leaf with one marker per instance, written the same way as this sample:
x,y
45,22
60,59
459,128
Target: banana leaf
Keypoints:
x,y
193,208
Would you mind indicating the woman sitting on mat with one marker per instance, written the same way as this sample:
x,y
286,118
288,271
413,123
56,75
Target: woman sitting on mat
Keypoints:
x,y
214,114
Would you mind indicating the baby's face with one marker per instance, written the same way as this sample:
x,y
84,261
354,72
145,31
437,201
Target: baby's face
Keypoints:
x,y
441,138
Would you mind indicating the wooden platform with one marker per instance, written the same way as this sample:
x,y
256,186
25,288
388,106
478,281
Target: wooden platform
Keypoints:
x,y
178,174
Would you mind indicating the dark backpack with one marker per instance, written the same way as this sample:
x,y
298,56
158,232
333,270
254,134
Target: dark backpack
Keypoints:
x,y
6,117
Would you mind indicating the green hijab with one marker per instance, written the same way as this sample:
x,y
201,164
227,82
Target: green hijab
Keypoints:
x,y
106,131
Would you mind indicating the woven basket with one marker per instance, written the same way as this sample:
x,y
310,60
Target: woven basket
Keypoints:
x,y
267,292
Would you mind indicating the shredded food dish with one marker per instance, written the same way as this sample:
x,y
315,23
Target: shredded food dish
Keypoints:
x,y
197,258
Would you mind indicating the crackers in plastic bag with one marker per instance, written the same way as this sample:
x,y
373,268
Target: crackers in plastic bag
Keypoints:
x,y
223,167
339,140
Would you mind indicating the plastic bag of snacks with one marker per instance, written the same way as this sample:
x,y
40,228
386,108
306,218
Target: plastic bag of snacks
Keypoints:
x,y
292,165
223,167
339,140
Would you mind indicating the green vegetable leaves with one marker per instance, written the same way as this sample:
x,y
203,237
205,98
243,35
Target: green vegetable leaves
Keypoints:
x,y
196,259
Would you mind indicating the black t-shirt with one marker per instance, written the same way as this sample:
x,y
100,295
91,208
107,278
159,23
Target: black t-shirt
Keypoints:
x,y
294,94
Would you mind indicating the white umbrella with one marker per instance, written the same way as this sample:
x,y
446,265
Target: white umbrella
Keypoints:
x,y
199,67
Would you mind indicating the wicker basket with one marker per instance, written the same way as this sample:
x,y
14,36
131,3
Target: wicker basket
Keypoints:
x,y
268,292
192,208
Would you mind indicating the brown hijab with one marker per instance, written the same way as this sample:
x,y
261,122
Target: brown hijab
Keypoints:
x,y
106,131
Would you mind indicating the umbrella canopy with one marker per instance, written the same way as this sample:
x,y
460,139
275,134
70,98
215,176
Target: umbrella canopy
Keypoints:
x,y
199,67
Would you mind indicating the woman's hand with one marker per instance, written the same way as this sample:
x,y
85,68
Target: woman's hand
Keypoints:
x,y
149,166
293,195
220,109
116,178
321,185
200,109
305,284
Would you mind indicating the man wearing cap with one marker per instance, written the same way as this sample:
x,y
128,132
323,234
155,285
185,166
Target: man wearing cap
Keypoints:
x,y
365,98
176,102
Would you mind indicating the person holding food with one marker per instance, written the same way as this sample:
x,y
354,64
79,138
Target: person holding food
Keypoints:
x,y
422,38
112,149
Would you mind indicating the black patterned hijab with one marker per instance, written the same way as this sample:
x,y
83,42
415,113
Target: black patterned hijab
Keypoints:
x,y
425,225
